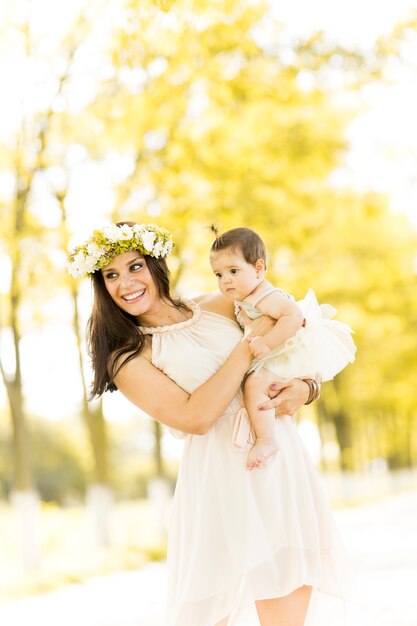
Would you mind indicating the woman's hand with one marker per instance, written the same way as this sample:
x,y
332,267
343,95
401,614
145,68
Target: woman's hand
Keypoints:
x,y
258,327
287,396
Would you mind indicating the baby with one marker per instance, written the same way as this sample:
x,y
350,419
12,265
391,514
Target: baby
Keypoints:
x,y
304,342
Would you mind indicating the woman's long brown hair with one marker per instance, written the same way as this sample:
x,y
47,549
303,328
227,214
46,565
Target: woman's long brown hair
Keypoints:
x,y
113,336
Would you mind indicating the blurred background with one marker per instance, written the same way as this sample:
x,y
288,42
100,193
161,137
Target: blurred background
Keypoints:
x,y
295,119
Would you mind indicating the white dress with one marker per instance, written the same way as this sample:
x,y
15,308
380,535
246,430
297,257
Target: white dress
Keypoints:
x,y
322,347
237,536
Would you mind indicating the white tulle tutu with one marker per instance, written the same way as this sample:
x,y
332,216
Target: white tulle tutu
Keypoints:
x,y
323,346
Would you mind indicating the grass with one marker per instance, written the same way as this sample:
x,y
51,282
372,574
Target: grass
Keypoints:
x,y
68,550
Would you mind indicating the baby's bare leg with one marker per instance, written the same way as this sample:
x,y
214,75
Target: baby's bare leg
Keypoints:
x,y
263,422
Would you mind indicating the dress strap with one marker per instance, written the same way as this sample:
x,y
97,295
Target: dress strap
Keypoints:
x,y
266,291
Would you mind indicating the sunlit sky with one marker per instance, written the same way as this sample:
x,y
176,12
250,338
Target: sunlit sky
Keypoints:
x,y
382,155
383,140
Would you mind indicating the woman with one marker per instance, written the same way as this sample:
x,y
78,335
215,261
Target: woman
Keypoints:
x,y
236,537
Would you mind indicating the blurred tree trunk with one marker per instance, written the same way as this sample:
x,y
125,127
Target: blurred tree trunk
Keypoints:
x,y
344,439
159,465
23,477
322,419
99,497
410,430
330,411
24,497
21,447
343,428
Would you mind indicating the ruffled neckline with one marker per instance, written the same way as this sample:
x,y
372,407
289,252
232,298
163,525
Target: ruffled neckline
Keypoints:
x,y
196,314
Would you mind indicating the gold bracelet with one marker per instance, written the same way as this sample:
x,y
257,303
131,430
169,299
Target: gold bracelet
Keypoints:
x,y
316,390
313,389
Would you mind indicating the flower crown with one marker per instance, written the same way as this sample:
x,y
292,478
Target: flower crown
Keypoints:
x,y
105,244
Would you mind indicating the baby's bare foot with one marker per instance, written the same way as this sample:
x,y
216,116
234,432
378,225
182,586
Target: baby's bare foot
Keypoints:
x,y
262,453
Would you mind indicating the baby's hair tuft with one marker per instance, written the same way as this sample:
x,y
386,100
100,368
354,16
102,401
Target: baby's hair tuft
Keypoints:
x,y
216,231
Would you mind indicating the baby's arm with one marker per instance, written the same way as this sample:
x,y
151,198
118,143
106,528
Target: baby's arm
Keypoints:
x,y
289,319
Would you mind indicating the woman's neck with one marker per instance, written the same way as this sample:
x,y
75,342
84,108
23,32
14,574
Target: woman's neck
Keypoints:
x,y
163,314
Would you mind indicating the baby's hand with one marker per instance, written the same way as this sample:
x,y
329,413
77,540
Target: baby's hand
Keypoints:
x,y
258,347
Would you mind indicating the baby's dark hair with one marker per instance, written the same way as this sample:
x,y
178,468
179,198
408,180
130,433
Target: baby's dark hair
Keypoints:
x,y
243,239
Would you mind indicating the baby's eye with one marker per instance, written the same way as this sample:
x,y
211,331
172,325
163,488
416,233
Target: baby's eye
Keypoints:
x,y
234,271
217,275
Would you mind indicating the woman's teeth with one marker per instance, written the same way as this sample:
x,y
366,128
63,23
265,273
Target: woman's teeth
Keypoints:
x,y
132,296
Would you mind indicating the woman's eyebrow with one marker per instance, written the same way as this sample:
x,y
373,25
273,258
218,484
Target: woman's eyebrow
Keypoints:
x,y
111,269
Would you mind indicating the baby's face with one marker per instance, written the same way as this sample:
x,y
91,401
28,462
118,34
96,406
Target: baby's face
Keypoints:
x,y
236,278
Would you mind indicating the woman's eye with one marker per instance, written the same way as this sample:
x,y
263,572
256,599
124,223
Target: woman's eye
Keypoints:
x,y
110,275
136,266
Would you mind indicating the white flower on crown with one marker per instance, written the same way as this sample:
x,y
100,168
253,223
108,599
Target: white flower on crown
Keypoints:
x,y
89,263
95,250
167,249
157,249
81,264
112,233
125,233
148,238
73,269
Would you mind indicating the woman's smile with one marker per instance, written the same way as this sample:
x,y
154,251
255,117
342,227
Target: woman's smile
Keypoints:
x,y
133,296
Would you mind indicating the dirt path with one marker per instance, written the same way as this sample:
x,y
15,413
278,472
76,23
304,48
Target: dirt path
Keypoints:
x,y
381,538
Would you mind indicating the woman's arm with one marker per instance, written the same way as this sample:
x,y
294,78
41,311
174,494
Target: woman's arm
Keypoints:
x,y
160,397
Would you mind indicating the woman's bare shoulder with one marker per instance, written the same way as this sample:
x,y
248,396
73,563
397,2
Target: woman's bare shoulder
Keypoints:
x,y
118,363
216,303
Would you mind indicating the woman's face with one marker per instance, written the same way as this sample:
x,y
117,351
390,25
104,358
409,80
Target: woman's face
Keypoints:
x,y
130,284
